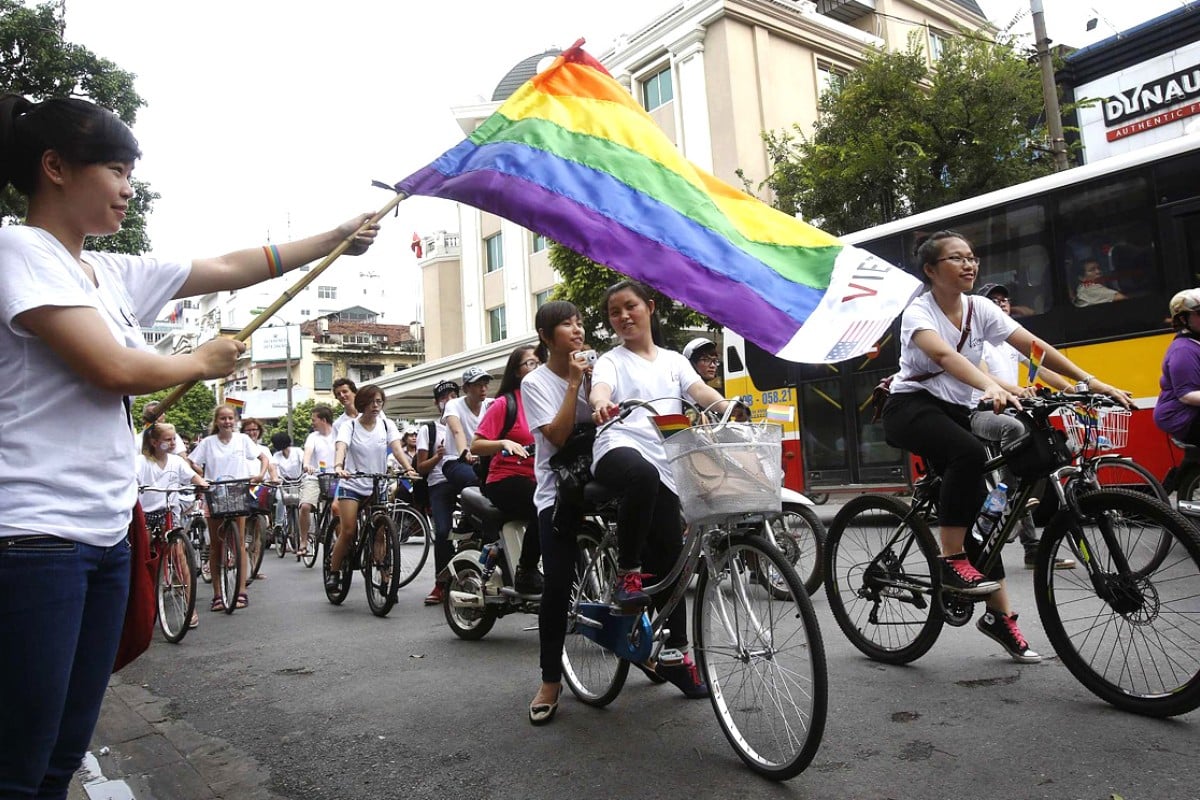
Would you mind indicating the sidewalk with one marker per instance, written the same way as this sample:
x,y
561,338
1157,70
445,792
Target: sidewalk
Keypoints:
x,y
144,753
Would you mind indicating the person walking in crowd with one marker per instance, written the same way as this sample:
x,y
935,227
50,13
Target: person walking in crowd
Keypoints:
x,y
362,445
928,412
71,332
226,454
630,460
510,477
161,468
554,398
1003,362
461,418
318,457
431,453
1177,412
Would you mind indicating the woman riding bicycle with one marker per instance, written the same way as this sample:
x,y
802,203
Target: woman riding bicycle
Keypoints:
x,y
1177,411
942,334
630,461
363,444
510,479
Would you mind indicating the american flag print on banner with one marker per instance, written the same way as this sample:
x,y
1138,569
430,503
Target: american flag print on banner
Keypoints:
x,y
859,336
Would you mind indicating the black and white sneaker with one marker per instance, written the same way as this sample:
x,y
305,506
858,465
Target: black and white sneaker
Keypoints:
x,y
961,577
1003,630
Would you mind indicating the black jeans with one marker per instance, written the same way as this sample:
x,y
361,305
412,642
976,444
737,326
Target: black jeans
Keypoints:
x,y
559,555
514,496
649,525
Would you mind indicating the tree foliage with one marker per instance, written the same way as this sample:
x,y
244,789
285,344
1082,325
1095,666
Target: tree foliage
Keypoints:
x,y
584,283
191,415
37,61
301,423
901,137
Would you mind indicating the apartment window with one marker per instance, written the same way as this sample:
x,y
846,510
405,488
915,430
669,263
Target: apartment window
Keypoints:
x,y
937,45
493,252
830,78
541,298
323,376
539,243
657,89
497,325
327,292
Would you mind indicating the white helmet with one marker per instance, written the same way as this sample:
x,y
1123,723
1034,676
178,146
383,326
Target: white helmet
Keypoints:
x,y
1187,300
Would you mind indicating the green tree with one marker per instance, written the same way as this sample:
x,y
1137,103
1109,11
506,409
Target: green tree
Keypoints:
x,y
902,137
37,61
301,423
191,415
583,283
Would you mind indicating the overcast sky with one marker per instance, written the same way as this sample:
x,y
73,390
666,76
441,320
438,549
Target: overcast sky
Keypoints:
x,y
271,117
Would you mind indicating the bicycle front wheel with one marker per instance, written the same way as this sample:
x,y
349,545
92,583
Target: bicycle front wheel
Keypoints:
x,y
1130,634
594,674
313,548
230,565
176,586
328,540
199,531
255,544
381,564
292,528
762,657
800,537
880,562
415,539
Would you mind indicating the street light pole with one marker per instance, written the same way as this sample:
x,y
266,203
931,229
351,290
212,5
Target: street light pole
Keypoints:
x,y
1058,143
287,351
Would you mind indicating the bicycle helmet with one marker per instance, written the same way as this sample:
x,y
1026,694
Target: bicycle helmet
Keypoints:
x,y
444,388
1187,300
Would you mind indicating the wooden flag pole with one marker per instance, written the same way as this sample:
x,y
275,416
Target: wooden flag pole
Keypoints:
x,y
288,294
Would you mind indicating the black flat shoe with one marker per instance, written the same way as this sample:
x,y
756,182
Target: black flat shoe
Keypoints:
x,y
543,713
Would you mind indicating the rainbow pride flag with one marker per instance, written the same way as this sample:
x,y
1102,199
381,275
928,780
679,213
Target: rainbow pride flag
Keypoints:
x,y
779,412
669,424
1036,354
572,156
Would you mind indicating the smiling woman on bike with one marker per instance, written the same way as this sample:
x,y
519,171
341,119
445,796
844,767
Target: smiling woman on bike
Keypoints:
x,y
928,412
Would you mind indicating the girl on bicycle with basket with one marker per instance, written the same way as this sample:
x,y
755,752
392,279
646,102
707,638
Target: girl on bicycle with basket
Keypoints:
x,y
629,459
942,334
226,454
363,443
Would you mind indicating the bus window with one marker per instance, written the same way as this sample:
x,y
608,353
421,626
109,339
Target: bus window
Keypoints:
x,y
1107,232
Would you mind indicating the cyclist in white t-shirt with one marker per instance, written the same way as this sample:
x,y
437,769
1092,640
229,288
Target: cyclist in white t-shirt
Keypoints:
x,y
630,460
318,458
461,418
72,345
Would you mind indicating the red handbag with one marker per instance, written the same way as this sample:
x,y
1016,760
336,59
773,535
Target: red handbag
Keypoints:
x,y
141,609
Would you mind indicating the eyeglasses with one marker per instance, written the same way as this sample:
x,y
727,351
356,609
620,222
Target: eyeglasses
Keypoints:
x,y
714,360
376,401
251,430
531,362
958,261
1000,300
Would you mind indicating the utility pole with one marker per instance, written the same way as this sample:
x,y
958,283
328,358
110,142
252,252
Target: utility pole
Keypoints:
x,y
287,339
1058,144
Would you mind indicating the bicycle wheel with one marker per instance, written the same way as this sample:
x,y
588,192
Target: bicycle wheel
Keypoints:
x,y
292,530
1130,638
470,622
331,535
593,673
230,565
415,538
309,556
1113,472
1189,484
198,529
762,658
255,544
279,537
176,586
800,537
381,564
880,563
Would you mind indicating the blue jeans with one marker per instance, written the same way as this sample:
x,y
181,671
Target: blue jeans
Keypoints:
x,y
62,609
441,508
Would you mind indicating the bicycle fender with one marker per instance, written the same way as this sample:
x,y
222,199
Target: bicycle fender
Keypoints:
x,y
792,496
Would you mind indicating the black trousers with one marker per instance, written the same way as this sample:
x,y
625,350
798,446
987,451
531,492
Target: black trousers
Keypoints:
x,y
514,496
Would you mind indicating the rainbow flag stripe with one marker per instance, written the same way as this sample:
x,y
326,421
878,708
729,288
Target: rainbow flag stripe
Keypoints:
x,y
572,156
1036,354
669,424
778,412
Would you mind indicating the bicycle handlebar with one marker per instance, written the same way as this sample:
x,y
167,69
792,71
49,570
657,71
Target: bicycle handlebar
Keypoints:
x,y
1047,401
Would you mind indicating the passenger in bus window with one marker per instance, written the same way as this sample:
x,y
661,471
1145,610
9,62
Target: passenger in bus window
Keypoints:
x,y
1091,289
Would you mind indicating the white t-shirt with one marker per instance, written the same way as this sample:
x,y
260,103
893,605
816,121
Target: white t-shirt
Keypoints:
x,y
468,419
66,449
669,375
1003,362
440,433
542,395
322,449
176,473
366,451
988,324
255,465
227,460
289,463
339,422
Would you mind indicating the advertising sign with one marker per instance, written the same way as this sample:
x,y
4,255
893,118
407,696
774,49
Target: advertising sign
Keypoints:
x,y
275,344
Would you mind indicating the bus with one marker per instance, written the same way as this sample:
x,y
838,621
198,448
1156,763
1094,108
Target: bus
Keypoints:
x,y
1134,219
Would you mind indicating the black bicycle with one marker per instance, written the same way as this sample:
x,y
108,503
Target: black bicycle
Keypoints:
x,y
375,551
1126,623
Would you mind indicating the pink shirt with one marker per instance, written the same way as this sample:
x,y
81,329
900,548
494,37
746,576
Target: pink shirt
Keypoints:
x,y
503,466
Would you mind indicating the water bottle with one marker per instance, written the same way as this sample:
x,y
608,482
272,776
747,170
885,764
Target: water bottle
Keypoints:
x,y
989,516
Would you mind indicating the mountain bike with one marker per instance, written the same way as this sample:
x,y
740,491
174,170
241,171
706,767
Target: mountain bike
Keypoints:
x,y
175,576
375,551
286,531
760,652
1126,623
414,535
319,518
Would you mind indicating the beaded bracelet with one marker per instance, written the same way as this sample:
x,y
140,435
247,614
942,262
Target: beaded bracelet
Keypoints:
x,y
274,262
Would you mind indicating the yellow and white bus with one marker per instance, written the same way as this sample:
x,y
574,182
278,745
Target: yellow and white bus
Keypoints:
x,y
1136,217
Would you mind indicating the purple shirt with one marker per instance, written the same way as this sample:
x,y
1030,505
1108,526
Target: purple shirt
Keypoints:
x,y
1180,375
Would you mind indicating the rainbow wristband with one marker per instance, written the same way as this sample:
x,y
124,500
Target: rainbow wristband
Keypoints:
x,y
274,262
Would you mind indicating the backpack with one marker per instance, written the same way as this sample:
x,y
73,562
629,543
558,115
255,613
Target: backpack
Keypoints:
x,y
510,420
420,489
883,390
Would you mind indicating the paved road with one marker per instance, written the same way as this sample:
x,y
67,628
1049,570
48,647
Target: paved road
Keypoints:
x,y
295,698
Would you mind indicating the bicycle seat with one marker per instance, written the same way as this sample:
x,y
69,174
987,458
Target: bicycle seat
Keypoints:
x,y
475,504
596,494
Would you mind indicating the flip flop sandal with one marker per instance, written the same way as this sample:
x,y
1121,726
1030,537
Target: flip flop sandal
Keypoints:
x,y
218,604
